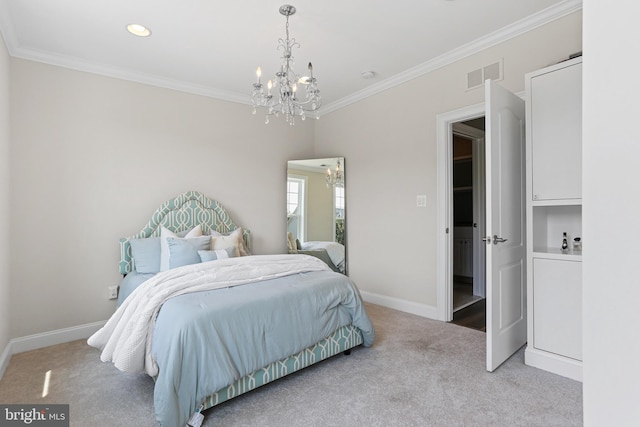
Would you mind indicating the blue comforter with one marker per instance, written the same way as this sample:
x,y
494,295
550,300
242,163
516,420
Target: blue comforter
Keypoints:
x,y
206,340
129,284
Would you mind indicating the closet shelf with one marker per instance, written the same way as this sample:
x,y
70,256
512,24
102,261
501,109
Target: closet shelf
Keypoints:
x,y
465,188
465,157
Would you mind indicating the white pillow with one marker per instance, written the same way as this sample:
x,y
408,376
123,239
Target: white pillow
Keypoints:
x,y
233,240
164,246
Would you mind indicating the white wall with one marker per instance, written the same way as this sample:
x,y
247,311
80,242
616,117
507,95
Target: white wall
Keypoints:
x,y
611,155
389,145
4,202
92,158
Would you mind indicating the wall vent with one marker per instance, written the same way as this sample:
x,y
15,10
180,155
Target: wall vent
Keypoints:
x,y
477,77
474,78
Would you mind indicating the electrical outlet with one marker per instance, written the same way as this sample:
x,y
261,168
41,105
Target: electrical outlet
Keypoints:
x,y
421,201
112,292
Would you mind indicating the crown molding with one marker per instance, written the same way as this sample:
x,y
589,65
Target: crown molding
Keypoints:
x,y
527,24
120,73
8,34
510,31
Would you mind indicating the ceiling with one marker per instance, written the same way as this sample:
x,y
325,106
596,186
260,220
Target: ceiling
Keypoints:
x,y
316,165
213,47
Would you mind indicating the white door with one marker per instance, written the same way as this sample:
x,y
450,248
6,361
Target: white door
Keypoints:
x,y
505,231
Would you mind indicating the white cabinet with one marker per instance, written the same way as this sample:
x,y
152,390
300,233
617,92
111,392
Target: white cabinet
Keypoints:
x,y
554,207
557,307
556,132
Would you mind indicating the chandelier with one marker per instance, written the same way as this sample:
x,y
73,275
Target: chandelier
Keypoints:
x,y
335,178
287,94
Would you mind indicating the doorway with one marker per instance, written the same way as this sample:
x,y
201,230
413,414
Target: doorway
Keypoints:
x,y
468,196
446,122
506,319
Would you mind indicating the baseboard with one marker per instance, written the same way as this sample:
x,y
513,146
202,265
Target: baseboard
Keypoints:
x,y
554,363
5,357
418,309
59,336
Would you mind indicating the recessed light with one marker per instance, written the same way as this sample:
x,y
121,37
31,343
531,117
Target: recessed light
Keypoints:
x,y
138,30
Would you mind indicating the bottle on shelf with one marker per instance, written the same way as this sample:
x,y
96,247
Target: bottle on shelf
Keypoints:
x,y
577,244
565,243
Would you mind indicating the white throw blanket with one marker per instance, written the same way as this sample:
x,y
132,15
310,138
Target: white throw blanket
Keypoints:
x,y
126,338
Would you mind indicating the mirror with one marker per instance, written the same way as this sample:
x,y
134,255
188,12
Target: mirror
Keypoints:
x,y
316,209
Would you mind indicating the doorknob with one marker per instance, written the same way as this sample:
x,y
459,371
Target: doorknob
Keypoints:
x,y
497,239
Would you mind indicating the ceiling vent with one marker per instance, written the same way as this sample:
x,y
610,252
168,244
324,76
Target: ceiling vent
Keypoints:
x,y
477,77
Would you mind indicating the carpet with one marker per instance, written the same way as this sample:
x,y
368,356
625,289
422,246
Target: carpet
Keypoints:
x,y
419,372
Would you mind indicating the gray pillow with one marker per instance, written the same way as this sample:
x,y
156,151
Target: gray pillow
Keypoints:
x,y
185,251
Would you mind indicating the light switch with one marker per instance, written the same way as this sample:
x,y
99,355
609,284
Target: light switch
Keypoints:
x,y
421,201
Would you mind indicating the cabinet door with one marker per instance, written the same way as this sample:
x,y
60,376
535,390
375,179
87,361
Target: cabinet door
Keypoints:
x,y
557,307
556,132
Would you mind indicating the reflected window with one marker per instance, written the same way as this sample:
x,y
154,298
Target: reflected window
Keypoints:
x,y
338,192
295,205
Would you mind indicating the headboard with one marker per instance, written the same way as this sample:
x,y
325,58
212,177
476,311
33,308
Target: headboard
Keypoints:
x,y
182,213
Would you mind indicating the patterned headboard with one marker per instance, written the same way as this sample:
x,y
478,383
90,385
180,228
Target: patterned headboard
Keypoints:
x,y
182,213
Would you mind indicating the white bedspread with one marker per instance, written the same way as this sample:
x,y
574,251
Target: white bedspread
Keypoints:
x,y
125,340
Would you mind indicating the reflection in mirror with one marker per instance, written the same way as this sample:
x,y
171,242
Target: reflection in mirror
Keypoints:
x,y
316,209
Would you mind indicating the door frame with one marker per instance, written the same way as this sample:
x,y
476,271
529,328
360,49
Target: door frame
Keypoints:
x,y
444,154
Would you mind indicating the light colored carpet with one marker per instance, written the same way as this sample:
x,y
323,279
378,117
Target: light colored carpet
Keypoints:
x,y
419,372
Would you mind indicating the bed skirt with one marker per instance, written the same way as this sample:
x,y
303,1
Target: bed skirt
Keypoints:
x,y
341,340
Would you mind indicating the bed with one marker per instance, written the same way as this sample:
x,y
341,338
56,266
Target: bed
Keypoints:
x,y
213,329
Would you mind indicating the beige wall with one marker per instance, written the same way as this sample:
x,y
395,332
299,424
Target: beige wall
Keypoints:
x,y
93,157
4,200
611,155
389,143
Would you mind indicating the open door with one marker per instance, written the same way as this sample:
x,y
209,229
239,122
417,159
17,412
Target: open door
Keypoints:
x,y
505,230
